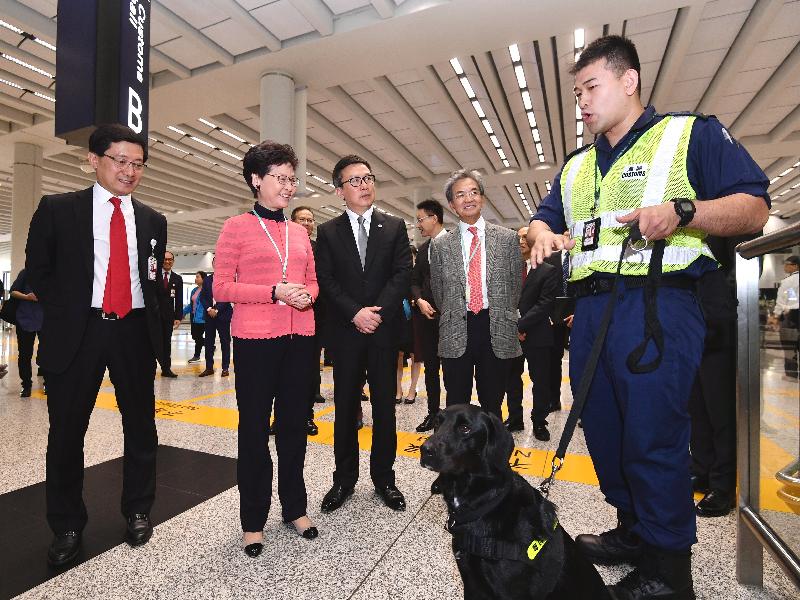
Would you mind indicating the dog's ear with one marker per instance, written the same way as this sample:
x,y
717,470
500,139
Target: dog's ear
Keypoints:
x,y
499,443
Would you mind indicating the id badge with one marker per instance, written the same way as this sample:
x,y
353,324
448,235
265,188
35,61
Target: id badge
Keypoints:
x,y
152,268
591,234
172,292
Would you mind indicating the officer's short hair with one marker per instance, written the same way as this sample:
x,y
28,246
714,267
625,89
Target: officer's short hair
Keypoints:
x,y
432,207
619,52
793,260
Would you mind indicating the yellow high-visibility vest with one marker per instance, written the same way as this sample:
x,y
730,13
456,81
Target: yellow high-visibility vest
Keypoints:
x,y
650,172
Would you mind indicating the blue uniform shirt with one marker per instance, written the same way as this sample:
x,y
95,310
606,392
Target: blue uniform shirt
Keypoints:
x,y
717,166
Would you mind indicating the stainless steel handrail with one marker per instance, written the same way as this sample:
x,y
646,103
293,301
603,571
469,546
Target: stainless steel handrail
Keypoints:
x,y
777,240
753,533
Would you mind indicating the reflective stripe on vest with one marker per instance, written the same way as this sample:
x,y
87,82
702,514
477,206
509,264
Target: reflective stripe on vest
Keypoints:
x,y
649,173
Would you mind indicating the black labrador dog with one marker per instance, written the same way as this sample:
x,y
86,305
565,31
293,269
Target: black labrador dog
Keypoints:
x,y
506,537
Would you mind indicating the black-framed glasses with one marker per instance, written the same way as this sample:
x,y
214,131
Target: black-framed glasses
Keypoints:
x,y
356,181
284,179
123,163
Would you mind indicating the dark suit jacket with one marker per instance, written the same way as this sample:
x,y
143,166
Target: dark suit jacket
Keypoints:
x,y
319,304
171,297
60,267
421,276
536,305
347,288
206,298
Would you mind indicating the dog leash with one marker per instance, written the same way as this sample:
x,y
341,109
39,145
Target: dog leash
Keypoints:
x,y
652,331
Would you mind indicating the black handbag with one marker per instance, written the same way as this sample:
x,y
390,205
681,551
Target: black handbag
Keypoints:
x,y
8,312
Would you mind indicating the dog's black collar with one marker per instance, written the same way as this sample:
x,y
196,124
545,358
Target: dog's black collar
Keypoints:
x,y
457,517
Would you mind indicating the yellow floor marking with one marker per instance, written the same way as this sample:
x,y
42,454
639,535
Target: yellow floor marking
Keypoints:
x,y
791,421
577,468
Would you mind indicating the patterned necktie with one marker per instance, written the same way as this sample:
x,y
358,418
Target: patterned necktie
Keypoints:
x,y
474,275
117,293
362,241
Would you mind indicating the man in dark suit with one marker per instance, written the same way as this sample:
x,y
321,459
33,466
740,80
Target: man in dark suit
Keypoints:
x,y
539,290
218,321
92,261
363,269
430,222
171,305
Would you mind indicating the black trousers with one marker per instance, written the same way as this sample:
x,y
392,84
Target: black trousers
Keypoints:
x,y
25,340
490,372
712,406
356,356
541,382
198,329
212,327
429,340
268,370
166,345
124,348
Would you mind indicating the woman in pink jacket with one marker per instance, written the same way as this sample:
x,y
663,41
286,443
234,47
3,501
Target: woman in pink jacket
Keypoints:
x,y
264,265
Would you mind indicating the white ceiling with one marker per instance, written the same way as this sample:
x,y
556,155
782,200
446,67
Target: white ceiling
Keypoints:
x,y
380,83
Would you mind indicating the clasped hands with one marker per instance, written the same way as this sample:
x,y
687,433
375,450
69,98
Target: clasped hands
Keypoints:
x,y
655,223
294,294
367,319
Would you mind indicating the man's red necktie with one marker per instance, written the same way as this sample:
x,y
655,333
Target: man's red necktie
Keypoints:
x,y
166,280
117,295
474,278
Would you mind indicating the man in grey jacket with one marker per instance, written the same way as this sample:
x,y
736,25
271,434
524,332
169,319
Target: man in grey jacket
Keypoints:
x,y
476,278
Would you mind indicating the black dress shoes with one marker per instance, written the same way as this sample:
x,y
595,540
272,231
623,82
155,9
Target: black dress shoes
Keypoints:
x,y
311,427
25,393
335,497
392,497
699,483
319,399
169,374
715,503
514,424
139,529
64,548
427,423
253,550
540,432
364,397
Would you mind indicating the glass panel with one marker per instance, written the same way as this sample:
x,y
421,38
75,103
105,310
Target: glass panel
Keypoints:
x,y
780,395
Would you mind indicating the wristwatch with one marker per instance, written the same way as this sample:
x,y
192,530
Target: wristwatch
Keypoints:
x,y
685,209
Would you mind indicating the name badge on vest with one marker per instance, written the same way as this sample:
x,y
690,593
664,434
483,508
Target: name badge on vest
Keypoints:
x,y
591,234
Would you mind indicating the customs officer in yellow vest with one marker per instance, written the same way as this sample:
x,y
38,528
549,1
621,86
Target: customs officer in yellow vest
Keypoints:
x,y
680,177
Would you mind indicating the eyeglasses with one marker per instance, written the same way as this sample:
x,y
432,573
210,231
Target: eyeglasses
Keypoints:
x,y
421,219
356,181
472,194
304,220
284,179
124,163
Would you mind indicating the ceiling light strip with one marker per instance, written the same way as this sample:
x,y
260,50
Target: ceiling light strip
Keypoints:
x,y
524,198
784,173
522,83
476,105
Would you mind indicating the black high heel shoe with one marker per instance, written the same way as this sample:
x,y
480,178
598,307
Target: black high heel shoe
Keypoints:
x,y
411,399
253,550
308,533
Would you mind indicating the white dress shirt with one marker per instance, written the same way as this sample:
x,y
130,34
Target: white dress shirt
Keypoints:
x,y
466,244
102,209
788,293
354,223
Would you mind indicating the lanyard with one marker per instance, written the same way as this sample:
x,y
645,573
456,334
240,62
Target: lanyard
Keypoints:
x,y
284,259
598,177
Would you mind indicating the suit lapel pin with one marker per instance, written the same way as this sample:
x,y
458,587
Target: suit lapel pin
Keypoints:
x,y
380,225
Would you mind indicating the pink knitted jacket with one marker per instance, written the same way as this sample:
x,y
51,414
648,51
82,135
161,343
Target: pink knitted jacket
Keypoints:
x,y
246,268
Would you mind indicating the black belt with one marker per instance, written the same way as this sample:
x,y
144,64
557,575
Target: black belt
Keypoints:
x,y
98,313
592,286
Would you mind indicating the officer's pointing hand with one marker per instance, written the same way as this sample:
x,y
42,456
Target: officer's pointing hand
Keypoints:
x,y
548,242
655,222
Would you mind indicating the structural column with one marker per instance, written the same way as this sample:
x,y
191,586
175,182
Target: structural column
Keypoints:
x,y
283,117
25,196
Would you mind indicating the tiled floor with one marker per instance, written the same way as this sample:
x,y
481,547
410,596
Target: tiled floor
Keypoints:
x,y
364,551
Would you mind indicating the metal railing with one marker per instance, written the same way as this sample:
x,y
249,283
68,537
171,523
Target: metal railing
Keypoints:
x,y
753,533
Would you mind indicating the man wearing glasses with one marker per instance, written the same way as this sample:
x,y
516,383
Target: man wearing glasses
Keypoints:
x,y
93,259
364,272
476,278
